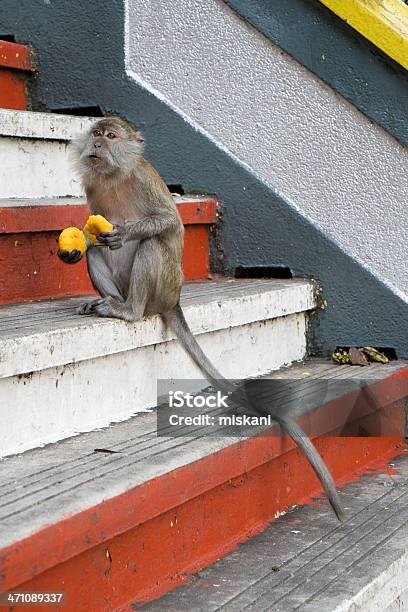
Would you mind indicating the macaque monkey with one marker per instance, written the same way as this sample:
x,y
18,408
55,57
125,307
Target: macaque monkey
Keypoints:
x,y
137,267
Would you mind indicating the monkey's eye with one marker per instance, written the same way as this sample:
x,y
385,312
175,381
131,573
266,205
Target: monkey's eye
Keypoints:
x,y
97,133
111,135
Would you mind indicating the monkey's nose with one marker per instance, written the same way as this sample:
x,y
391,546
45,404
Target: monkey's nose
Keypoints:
x,y
97,145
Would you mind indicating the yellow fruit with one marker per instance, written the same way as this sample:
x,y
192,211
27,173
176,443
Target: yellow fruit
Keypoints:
x,y
96,225
72,239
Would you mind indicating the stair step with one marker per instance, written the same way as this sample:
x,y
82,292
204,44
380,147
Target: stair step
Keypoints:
x,y
35,160
63,373
15,64
303,562
29,229
15,56
132,520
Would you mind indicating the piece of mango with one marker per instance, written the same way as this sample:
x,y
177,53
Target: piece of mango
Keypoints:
x,y
96,225
72,239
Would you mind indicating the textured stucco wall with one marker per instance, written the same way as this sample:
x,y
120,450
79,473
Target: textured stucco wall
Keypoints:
x,y
338,54
291,129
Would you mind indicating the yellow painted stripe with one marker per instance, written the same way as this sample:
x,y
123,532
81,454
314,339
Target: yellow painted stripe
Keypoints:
x,y
383,22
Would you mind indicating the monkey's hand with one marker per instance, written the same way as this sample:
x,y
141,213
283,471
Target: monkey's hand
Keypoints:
x,y
70,257
114,239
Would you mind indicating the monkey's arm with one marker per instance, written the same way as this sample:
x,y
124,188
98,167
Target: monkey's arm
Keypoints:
x,y
148,227
161,215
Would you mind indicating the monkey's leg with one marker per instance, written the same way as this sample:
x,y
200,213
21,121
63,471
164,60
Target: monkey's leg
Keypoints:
x,y
102,280
142,282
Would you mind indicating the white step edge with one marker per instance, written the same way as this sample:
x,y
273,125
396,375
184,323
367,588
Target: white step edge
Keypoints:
x,y
34,154
40,202
80,201
78,376
81,338
43,126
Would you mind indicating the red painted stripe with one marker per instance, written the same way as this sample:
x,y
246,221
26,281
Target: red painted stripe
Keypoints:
x,y
30,269
218,501
16,56
12,91
14,220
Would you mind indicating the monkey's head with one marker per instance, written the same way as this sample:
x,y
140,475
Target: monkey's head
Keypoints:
x,y
110,147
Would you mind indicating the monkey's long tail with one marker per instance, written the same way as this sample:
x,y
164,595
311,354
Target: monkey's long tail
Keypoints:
x,y
309,450
176,321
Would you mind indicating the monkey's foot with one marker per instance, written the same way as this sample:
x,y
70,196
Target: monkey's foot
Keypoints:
x,y
109,307
87,308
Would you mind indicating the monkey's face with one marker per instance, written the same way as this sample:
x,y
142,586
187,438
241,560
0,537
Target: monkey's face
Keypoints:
x,y
111,146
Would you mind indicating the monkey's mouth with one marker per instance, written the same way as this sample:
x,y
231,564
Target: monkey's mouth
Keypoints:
x,y
95,157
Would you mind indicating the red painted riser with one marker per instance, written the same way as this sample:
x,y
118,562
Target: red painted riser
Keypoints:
x,y
147,541
14,63
12,91
31,270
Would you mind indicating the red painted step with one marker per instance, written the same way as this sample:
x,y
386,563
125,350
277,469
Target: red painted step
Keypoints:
x,y
15,63
127,526
30,269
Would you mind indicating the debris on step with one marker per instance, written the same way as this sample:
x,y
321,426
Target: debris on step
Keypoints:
x,y
358,356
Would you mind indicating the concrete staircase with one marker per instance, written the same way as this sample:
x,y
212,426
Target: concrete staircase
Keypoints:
x,y
108,511
40,196
118,517
63,374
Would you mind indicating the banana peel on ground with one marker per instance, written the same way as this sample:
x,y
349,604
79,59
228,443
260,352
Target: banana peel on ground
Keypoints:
x,y
358,356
